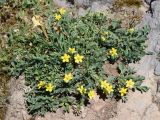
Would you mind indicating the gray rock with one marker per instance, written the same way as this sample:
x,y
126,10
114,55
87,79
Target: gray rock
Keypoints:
x,y
82,12
89,3
147,1
157,48
157,69
61,3
99,7
82,2
156,9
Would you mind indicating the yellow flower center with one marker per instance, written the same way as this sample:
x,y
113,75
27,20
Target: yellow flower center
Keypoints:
x,y
123,91
91,94
113,52
62,11
41,84
58,17
130,83
71,50
78,58
49,87
65,58
81,89
68,77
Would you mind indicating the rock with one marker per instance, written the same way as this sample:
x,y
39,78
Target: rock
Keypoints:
x,y
84,112
157,48
82,12
61,3
148,1
82,3
98,106
90,2
157,69
156,9
141,106
16,107
99,7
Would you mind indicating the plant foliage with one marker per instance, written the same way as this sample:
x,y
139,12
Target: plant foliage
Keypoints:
x,y
61,57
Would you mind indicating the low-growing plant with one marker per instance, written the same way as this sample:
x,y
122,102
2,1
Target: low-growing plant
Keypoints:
x,y
129,43
61,57
23,4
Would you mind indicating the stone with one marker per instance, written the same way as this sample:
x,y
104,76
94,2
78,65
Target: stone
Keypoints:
x,y
82,2
88,3
61,3
148,1
82,12
99,7
157,69
84,112
156,9
157,48
16,107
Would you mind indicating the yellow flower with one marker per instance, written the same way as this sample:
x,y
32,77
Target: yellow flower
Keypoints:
x,y
113,52
57,17
91,94
41,84
131,30
81,89
37,21
123,91
49,87
71,50
103,38
109,89
106,33
78,58
129,83
62,11
65,58
104,84
68,77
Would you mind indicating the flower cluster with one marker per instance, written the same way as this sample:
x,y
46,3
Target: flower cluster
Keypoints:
x,y
48,87
58,15
129,85
77,57
106,87
83,91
